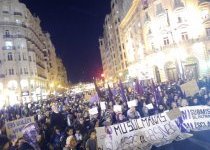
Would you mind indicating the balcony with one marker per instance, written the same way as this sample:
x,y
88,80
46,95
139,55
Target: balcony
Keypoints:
x,y
7,36
203,2
40,65
42,76
178,4
8,48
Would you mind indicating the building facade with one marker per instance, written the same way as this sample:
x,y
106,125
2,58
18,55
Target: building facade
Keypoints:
x,y
164,41
62,74
27,56
112,54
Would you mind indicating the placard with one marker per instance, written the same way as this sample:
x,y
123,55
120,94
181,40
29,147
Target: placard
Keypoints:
x,y
190,88
150,106
14,128
117,108
103,105
93,111
132,103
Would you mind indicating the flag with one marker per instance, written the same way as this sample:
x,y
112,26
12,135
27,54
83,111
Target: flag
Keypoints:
x,y
122,92
100,95
138,87
156,93
94,99
110,94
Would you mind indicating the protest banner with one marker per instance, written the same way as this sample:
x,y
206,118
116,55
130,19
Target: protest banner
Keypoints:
x,y
14,128
140,134
194,118
190,88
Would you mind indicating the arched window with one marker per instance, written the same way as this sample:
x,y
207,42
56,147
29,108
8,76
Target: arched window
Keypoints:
x,y
9,56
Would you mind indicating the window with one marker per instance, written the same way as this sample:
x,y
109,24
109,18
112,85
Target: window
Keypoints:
x,y
184,36
17,21
21,71
29,57
9,57
204,14
24,56
179,19
7,32
166,41
178,3
208,32
18,13
25,70
19,57
159,9
11,71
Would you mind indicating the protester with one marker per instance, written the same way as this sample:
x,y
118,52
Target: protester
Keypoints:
x,y
65,123
91,143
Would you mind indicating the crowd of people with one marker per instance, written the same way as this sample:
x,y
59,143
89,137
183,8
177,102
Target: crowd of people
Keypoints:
x,y
65,123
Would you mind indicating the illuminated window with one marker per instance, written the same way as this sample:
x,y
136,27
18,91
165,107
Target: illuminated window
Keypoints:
x,y
8,44
18,21
184,36
9,56
166,41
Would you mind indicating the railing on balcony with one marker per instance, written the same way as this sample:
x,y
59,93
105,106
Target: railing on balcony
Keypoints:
x,y
13,36
7,36
8,48
203,2
40,65
42,76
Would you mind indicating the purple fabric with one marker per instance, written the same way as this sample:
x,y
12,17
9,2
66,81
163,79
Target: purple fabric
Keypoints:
x,y
94,99
138,88
110,94
122,91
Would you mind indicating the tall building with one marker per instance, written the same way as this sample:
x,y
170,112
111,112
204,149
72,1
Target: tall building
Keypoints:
x,y
27,56
166,39
113,56
62,74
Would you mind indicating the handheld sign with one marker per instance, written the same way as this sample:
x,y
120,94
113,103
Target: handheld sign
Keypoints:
x,y
190,88
103,105
117,108
93,111
14,128
150,106
132,103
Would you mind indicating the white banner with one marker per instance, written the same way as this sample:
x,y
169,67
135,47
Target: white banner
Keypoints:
x,y
195,118
138,134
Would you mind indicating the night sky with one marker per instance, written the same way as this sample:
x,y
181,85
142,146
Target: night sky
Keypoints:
x,y
75,26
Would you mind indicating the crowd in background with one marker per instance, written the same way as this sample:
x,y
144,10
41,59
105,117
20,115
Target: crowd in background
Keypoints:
x,y
65,123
